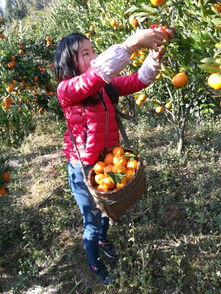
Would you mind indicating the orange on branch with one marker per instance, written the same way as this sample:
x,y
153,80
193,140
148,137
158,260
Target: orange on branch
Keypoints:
x,y
10,88
180,80
214,81
133,21
159,109
217,5
157,2
21,51
3,191
6,176
168,106
7,100
11,64
113,23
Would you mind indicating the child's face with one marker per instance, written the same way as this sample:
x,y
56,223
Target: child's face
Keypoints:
x,y
86,53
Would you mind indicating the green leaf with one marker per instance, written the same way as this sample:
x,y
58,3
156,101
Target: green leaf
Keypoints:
x,y
209,68
208,60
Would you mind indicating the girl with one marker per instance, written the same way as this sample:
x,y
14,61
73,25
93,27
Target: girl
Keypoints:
x,y
88,91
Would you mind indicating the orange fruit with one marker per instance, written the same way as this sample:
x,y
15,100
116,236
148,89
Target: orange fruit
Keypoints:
x,y
10,88
99,167
35,78
134,54
123,183
7,100
11,64
180,80
108,158
3,191
142,97
2,35
168,106
134,21
108,168
159,109
22,52
48,39
6,176
118,150
157,2
119,160
101,188
107,183
98,178
119,169
89,35
130,174
217,5
214,81
132,164
113,23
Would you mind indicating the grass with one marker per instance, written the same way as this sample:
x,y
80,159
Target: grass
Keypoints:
x,y
169,242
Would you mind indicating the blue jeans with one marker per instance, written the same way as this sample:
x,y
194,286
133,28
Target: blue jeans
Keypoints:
x,y
95,224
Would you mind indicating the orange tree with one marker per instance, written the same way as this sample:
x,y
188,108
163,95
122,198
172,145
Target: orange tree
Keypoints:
x,y
182,90
25,81
196,23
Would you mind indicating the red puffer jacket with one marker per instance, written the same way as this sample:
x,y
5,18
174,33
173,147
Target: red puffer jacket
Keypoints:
x,y
94,127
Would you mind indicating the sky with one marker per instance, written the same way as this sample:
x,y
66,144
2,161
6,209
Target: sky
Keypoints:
x,y
2,3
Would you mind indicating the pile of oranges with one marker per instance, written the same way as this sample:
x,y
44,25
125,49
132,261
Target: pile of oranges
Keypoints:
x,y
117,168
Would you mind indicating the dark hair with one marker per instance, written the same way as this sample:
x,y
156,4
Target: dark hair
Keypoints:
x,y
66,65
66,57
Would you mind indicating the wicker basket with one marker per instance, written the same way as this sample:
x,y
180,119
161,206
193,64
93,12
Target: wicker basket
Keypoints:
x,y
115,203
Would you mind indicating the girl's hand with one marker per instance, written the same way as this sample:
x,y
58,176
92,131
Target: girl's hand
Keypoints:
x,y
150,38
159,54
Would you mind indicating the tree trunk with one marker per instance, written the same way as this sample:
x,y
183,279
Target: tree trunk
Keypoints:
x,y
180,139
